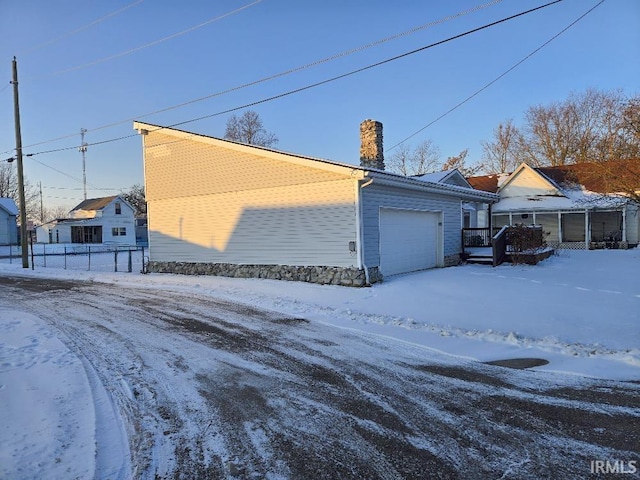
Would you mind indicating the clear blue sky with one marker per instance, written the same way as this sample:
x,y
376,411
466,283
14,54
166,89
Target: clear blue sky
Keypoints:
x,y
271,36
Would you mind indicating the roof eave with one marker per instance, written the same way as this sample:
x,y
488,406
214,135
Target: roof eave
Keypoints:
x,y
469,194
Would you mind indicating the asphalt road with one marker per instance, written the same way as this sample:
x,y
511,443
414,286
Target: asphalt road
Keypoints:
x,y
211,389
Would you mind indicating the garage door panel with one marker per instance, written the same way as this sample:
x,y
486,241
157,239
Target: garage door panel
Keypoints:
x,y
408,240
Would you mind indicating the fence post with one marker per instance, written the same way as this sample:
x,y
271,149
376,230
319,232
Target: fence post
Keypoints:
x,y
44,254
65,257
10,254
89,250
115,258
33,263
130,265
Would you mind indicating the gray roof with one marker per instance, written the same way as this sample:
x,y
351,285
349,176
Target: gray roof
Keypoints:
x,y
95,203
9,205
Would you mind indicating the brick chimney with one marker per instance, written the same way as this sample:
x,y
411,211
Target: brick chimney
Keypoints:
x,y
371,153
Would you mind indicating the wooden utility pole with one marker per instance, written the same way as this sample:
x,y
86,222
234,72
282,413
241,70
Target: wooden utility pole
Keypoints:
x,y
23,206
41,204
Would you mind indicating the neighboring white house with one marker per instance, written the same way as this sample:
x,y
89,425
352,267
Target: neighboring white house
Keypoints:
x,y
220,207
96,220
8,221
570,202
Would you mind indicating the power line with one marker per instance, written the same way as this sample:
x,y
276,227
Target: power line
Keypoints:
x,y
322,82
78,30
503,74
155,42
308,65
93,187
281,74
77,188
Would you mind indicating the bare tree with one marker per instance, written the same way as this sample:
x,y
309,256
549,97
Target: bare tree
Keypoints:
x,y
136,198
501,155
408,161
248,128
593,126
459,162
55,213
9,189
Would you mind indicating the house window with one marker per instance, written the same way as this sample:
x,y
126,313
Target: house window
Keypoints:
x,y
119,231
118,208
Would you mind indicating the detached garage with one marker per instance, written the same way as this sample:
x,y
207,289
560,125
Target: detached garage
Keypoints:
x,y
225,208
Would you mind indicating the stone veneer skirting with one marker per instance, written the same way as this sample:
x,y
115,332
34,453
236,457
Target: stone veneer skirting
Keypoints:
x,y
452,260
351,277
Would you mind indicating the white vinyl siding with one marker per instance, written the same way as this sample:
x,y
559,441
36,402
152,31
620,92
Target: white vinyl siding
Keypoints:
x,y
527,182
301,225
211,201
376,196
188,168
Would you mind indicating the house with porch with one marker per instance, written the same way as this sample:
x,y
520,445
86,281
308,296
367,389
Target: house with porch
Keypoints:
x,y
571,203
97,220
8,221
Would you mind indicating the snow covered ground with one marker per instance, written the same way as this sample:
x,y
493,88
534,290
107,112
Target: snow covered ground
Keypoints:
x,y
578,310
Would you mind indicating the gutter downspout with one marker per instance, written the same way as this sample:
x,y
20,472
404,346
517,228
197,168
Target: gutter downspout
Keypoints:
x,y
359,187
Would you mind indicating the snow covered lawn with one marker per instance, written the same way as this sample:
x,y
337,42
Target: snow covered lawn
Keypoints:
x,y
578,310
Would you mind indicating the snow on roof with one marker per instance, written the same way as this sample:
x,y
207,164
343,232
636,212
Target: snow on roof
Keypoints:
x,y
433,177
9,205
574,199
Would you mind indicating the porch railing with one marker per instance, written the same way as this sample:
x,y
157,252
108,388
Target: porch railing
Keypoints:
x,y
499,246
476,237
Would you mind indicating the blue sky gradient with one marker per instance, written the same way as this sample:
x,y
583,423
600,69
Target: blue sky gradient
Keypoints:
x,y
271,36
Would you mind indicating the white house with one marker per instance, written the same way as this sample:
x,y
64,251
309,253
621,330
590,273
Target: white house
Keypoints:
x,y
220,207
8,221
571,203
96,220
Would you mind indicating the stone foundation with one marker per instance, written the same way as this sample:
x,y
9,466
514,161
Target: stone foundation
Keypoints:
x,y
452,260
350,277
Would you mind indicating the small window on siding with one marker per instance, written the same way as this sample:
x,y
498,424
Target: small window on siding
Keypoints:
x,y
119,231
118,208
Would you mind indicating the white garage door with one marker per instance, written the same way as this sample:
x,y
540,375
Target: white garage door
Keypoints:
x,y
408,240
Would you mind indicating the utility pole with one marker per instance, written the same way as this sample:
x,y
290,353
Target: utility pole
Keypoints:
x,y
41,205
23,207
83,149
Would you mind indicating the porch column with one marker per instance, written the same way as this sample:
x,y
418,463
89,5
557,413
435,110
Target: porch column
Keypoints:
x,y
534,217
587,236
624,223
559,227
510,218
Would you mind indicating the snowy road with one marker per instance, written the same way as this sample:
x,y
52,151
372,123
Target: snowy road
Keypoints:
x,y
198,387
